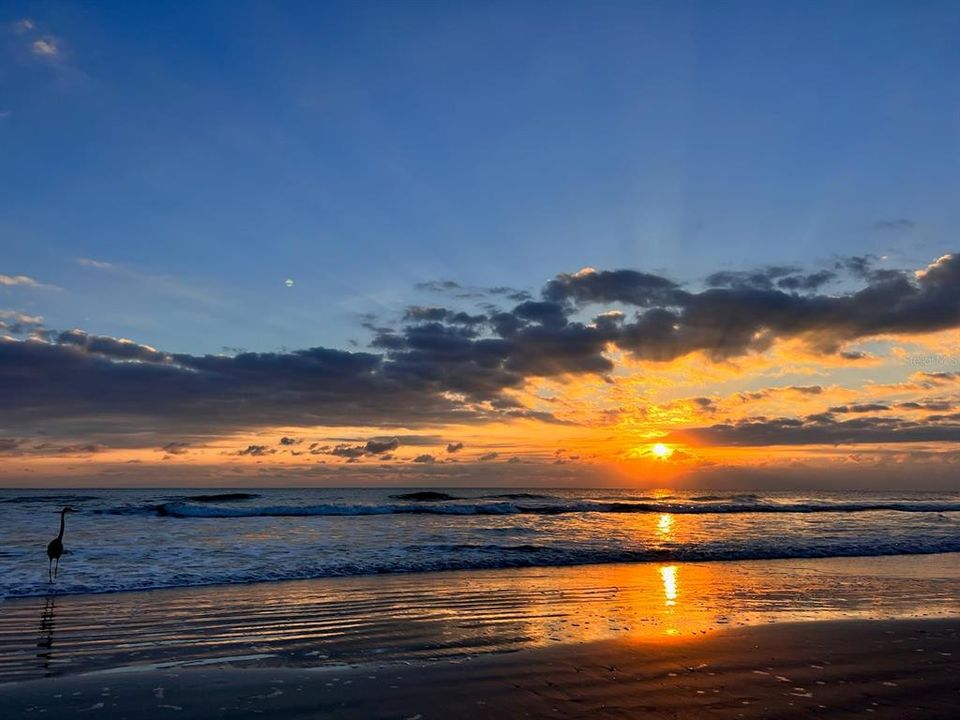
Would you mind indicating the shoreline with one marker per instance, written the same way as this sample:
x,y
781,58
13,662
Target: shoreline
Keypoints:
x,y
494,569
883,668
457,615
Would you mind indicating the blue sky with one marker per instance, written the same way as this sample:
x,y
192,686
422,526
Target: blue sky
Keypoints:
x,y
209,151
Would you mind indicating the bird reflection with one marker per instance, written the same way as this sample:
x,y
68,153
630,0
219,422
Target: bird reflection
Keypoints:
x,y
45,635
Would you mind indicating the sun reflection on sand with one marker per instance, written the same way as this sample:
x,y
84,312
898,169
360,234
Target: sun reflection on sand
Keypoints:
x,y
668,574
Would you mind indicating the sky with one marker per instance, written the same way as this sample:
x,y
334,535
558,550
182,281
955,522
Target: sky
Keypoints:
x,y
480,243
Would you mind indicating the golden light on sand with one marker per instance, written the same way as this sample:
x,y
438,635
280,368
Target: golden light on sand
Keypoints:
x,y
661,451
668,575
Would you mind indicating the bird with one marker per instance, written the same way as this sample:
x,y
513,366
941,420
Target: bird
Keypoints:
x,y
55,547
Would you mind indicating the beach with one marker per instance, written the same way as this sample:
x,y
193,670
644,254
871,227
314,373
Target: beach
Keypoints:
x,y
814,637
882,669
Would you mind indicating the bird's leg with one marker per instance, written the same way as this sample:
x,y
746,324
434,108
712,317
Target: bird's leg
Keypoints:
x,y
55,568
50,570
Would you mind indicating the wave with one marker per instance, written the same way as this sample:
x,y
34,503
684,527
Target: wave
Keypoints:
x,y
434,496
61,499
518,496
222,497
748,497
425,496
188,510
467,556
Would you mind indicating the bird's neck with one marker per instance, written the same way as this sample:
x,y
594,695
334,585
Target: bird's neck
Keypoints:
x,y
63,515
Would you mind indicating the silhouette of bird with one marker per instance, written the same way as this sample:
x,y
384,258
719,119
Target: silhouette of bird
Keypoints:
x,y
55,547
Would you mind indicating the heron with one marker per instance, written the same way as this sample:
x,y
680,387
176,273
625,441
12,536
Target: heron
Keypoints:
x,y
55,548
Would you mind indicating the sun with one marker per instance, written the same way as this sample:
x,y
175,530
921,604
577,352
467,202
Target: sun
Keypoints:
x,y
661,451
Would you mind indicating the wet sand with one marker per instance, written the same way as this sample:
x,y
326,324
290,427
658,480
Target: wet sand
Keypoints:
x,y
866,637
443,616
880,669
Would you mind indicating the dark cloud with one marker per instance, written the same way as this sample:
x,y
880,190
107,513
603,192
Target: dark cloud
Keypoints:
x,y
94,384
417,313
175,448
810,281
114,348
730,321
373,446
860,408
424,459
442,366
823,428
454,288
82,449
289,441
932,405
630,287
256,450
487,457
853,355
9,446
762,278
349,451
510,293
380,446
454,447
939,378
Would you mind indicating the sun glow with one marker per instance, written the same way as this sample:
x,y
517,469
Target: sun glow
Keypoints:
x,y
661,451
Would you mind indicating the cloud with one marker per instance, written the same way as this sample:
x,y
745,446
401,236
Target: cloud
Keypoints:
x,y
18,323
82,449
861,408
19,280
256,451
380,446
823,428
454,447
487,457
630,287
424,459
373,446
175,448
417,313
99,264
351,452
932,405
45,47
10,446
438,367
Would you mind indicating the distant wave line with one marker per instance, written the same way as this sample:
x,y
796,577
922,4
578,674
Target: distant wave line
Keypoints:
x,y
188,510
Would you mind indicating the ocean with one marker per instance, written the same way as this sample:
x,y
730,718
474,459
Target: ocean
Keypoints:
x,y
146,539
